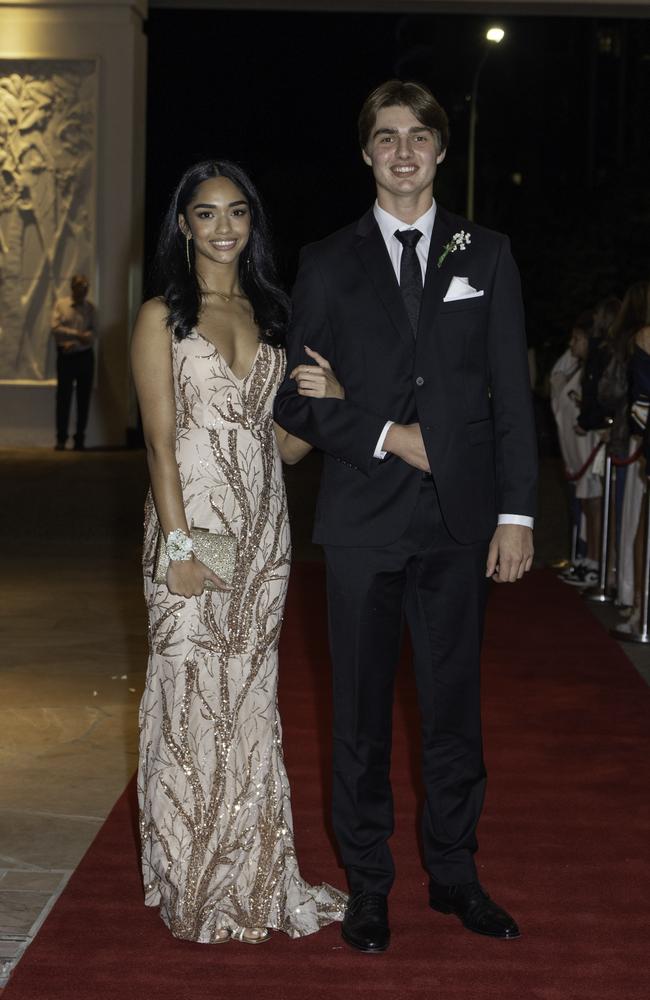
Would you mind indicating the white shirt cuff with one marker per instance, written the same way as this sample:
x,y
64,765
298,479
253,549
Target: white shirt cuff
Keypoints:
x,y
527,522
379,452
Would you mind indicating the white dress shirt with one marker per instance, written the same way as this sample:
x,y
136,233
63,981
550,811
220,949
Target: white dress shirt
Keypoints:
x,y
69,320
387,225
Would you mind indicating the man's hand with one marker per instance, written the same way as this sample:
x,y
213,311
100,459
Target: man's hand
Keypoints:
x,y
405,441
510,554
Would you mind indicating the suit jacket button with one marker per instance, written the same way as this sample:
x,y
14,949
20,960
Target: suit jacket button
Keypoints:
x,y
419,380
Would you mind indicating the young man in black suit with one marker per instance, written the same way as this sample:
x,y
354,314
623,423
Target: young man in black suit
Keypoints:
x,y
428,491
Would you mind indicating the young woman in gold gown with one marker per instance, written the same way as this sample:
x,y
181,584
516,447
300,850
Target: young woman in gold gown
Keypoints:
x,y
218,854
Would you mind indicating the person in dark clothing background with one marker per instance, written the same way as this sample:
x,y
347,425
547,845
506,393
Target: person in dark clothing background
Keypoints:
x,y
74,331
594,415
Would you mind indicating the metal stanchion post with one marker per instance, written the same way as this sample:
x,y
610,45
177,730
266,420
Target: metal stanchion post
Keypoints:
x,y
613,546
641,634
600,593
575,530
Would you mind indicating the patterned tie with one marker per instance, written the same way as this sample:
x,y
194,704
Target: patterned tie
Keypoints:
x,y
410,274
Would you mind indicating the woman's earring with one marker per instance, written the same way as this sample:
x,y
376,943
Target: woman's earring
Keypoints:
x,y
187,252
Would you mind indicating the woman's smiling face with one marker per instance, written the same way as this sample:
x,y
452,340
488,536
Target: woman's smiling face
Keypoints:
x,y
218,219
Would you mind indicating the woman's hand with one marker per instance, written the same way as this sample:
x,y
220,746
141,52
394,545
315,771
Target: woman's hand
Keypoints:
x,y
187,578
317,381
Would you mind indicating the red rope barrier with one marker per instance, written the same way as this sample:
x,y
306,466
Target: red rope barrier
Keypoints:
x,y
580,473
618,462
627,461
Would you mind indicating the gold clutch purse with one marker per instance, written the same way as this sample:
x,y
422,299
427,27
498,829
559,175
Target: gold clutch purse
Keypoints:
x,y
217,552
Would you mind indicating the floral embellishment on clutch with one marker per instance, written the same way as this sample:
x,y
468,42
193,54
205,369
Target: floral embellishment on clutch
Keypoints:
x,y
459,241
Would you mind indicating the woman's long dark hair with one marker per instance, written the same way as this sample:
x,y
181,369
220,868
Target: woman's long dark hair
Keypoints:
x,y
179,286
634,315
605,315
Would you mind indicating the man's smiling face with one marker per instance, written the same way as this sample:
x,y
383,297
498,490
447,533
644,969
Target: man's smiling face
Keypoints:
x,y
403,153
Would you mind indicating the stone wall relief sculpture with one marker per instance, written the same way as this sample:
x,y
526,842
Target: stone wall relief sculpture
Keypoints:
x,y
47,211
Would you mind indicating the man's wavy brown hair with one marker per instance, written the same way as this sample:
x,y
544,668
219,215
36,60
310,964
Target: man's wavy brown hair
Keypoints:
x,y
414,96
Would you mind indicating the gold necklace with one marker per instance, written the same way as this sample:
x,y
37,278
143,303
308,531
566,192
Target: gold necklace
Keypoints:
x,y
228,298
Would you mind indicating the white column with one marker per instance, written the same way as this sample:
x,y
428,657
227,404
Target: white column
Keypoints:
x,y
72,132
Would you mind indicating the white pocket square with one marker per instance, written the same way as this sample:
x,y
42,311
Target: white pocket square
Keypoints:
x,y
460,288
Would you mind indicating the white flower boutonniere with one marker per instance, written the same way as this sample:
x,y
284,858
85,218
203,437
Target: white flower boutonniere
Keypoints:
x,y
459,241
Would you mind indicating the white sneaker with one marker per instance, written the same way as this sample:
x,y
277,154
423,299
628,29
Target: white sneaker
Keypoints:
x,y
633,623
569,572
581,575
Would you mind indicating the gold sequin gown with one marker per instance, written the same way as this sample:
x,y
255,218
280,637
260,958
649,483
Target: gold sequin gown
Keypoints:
x,y
215,814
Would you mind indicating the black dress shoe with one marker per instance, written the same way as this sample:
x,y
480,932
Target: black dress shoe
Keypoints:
x,y
365,925
472,905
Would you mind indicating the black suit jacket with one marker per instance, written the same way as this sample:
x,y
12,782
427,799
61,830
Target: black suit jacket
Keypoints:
x,y
464,378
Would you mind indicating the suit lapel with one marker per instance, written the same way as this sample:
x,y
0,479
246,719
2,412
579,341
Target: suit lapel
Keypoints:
x,y
374,256
437,278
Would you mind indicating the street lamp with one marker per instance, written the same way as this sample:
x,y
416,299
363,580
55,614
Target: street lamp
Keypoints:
x,y
494,35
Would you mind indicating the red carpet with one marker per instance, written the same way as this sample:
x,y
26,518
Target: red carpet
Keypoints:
x,y
564,841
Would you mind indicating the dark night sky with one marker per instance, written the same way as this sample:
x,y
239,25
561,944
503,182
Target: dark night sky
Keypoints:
x,y
563,102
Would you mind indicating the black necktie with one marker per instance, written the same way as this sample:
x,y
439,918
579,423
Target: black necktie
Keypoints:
x,y
410,273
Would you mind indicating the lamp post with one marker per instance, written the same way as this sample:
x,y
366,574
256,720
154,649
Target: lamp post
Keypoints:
x,y
494,36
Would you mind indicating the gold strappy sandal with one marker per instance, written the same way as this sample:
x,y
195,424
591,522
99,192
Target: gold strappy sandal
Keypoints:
x,y
251,935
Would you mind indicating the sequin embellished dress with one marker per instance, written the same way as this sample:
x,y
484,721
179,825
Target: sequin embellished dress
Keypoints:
x,y
215,814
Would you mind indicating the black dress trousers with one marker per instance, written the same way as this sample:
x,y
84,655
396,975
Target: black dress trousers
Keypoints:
x,y
74,370
438,587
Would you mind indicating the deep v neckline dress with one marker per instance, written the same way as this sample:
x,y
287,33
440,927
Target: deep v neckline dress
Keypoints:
x,y
215,813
